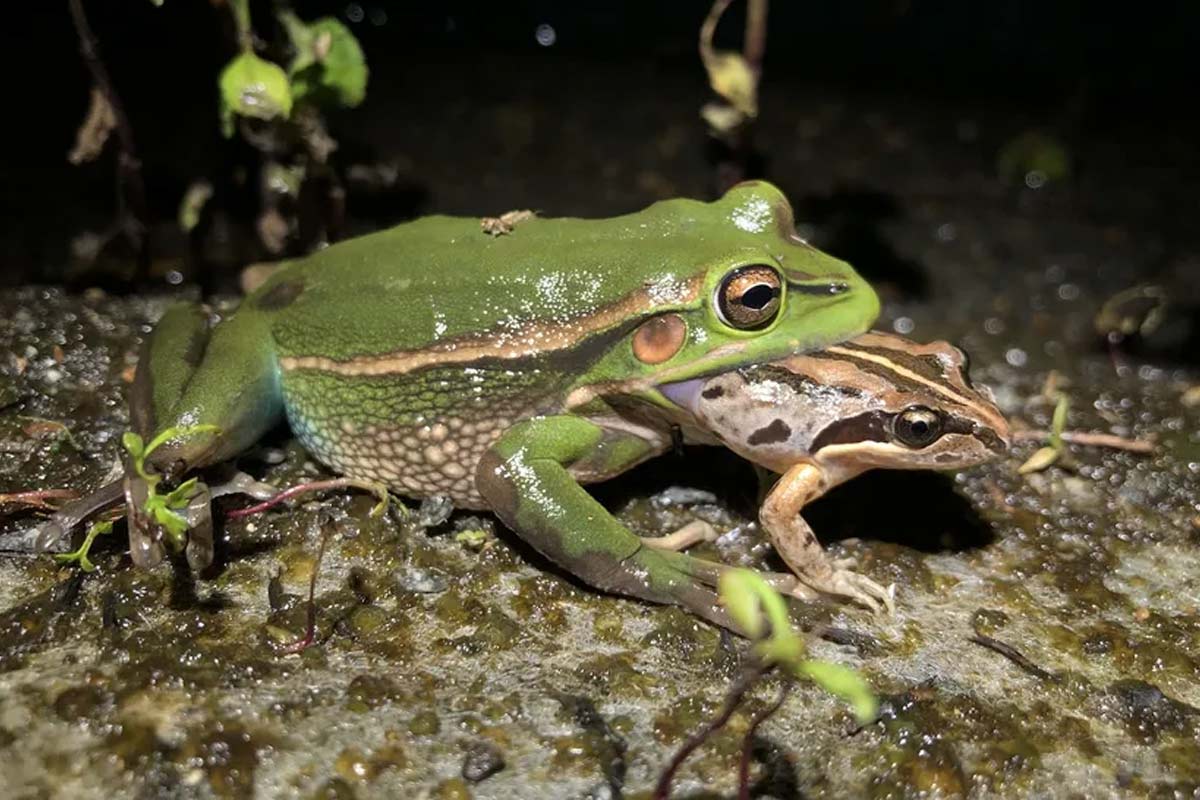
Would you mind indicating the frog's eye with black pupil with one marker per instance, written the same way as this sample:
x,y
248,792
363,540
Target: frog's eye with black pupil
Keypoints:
x,y
917,426
749,297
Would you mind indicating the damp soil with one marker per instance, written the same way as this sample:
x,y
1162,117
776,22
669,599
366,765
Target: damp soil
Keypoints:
x,y
1047,634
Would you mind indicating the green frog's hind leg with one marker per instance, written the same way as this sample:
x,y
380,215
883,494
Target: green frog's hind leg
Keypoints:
x,y
191,374
525,477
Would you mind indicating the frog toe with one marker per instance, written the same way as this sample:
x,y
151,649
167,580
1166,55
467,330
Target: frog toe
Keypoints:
x,y
693,533
861,589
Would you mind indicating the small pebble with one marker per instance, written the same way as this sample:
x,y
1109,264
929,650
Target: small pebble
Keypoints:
x,y
422,580
482,760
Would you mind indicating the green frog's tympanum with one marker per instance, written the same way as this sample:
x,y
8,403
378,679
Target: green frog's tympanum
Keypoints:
x,y
822,418
503,367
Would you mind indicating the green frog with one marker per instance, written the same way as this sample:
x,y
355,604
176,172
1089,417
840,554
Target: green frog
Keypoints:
x,y
820,419
501,365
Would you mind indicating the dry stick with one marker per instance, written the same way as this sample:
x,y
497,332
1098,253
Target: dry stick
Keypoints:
x,y
131,191
1014,655
754,45
748,742
37,498
1089,439
662,791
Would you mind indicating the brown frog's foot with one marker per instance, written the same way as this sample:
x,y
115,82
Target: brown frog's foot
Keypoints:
x,y
845,582
693,533
787,584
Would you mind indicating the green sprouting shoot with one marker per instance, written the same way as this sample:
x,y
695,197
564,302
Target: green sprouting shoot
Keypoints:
x,y
162,508
762,615
80,556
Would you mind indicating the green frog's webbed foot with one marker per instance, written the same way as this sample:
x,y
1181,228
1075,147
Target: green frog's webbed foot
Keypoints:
x,y
54,535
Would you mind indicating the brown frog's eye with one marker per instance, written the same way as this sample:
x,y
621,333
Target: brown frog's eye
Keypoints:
x,y
917,426
749,297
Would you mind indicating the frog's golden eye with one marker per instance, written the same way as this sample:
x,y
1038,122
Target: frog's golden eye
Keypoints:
x,y
917,426
749,297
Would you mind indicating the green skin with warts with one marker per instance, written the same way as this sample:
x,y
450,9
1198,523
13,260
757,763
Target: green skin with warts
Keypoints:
x,y
500,370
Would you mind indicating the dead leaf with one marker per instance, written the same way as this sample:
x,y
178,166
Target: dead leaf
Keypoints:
x,y
1039,461
93,133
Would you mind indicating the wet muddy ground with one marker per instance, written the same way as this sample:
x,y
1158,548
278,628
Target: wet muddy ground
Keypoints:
x,y
453,662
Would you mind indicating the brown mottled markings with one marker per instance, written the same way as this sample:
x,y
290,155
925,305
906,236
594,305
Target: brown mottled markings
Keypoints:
x,y
898,372
777,431
712,393
281,295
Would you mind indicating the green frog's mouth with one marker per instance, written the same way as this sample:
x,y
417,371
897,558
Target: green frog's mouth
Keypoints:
x,y
685,394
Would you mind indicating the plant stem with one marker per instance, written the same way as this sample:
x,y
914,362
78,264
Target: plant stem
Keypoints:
x,y
662,791
754,45
310,628
314,486
1089,439
131,190
748,742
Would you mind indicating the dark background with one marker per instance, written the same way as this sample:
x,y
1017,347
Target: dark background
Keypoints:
x,y
867,108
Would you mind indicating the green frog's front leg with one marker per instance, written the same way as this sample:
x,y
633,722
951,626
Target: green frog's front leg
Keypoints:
x,y
526,479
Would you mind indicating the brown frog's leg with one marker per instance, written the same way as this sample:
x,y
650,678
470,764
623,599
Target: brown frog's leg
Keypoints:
x,y
693,533
698,531
799,548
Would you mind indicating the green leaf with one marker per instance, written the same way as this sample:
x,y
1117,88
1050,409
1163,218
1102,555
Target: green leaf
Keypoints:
x,y
80,556
173,524
845,683
740,595
762,615
732,77
253,87
1039,461
133,445
178,498
1059,422
329,67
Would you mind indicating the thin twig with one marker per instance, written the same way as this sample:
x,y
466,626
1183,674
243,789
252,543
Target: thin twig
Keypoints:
x,y
37,498
1014,655
662,791
1089,439
304,488
131,190
748,742
754,45
310,628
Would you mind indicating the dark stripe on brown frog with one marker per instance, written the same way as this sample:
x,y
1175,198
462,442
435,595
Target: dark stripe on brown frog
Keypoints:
x,y
800,383
876,426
